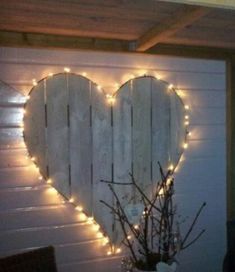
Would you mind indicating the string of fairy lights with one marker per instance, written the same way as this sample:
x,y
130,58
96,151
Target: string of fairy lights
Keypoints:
x,y
111,98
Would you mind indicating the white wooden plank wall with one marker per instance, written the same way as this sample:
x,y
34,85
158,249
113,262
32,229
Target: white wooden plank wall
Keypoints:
x,y
200,177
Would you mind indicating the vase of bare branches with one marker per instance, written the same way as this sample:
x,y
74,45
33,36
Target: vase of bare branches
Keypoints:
x,y
154,242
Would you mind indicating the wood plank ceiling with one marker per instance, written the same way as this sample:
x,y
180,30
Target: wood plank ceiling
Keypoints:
x,y
117,25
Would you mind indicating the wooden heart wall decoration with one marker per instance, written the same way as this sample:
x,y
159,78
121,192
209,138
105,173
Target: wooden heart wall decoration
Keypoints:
x,y
78,138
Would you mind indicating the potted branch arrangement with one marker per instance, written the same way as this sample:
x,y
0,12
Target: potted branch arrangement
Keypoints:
x,y
154,242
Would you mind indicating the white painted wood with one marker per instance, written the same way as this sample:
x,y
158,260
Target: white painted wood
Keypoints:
x,y
203,87
38,217
80,140
18,177
57,132
141,132
11,137
9,95
82,251
177,128
161,118
10,158
102,159
74,233
11,116
34,126
122,147
26,197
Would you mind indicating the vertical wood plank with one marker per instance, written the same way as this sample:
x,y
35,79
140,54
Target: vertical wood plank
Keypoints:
x,y
141,97
160,127
34,127
177,134
57,132
80,141
102,159
122,147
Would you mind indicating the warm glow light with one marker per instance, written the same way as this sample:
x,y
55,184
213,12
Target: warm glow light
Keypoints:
x,y
118,250
52,191
171,167
186,117
49,181
96,227
161,192
99,235
84,74
27,97
99,87
90,220
186,123
83,217
24,111
50,74
186,107
71,200
33,159
158,77
79,208
105,241
185,145
129,237
111,99
109,253
189,133
40,177
116,85
171,86
67,69
136,227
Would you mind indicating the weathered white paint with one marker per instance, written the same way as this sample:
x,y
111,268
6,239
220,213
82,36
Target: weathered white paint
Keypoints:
x,y
35,127
80,141
202,176
57,133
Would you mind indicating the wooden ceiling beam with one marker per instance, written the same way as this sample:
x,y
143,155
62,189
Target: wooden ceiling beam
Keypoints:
x,y
185,16
33,40
15,39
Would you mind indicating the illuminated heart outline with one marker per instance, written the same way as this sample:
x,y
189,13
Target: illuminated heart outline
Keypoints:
x,y
111,100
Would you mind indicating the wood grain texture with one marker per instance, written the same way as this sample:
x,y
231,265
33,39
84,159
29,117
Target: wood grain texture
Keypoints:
x,y
34,127
182,18
80,140
57,132
141,132
177,128
122,147
102,159
160,127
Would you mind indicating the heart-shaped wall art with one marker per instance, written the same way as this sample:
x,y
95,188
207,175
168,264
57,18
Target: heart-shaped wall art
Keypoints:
x,y
77,138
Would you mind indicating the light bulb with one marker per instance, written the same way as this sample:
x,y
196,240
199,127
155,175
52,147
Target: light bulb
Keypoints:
x,y
49,181
79,208
71,200
118,250
67,69
185,145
